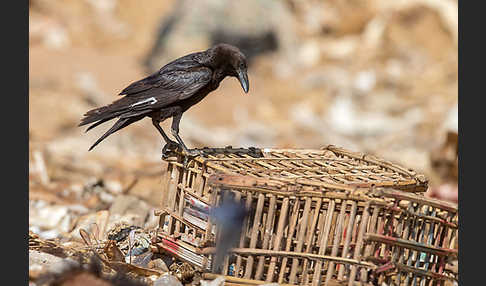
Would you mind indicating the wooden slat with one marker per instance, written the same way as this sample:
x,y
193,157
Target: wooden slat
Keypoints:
x,y
278,238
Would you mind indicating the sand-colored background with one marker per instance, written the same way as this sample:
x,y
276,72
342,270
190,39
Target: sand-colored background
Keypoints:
x,y
379,78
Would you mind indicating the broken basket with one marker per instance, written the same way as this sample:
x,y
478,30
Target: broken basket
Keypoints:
x,y
316,217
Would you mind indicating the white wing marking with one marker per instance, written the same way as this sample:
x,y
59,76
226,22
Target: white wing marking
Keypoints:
x,y
152,100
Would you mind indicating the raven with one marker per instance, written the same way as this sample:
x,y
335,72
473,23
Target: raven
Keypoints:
x,y
171,91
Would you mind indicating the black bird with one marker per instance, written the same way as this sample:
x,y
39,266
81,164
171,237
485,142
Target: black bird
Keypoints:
x,y
171,91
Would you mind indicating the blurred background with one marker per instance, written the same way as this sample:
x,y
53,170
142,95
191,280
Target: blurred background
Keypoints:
x,y
379,77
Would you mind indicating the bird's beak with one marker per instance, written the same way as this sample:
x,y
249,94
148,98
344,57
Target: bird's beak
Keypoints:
x,y
243,78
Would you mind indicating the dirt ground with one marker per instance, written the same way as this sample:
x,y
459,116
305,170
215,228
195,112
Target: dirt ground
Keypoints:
x,y
380,79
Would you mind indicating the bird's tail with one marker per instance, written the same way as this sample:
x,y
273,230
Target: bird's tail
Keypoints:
x,y
103,114
100,115
119,124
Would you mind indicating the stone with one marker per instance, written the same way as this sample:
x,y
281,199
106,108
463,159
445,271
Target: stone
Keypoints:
x,y
167,280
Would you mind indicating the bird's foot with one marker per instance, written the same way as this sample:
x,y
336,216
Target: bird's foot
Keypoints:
x,y
193,152
190,154
169,149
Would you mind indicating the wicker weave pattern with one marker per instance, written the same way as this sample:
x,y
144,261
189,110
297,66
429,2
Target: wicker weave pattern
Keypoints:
x,y
329,167
316,218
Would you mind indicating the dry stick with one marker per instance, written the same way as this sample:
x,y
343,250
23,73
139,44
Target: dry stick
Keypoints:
x,y
321,222
241,281
320,226
266,238
415,233
359,243
181,202
395,231
278,238
325,265
323,243
243,233
381,249
441,230
291,254
336,242
371,246
423,236
199,184
300,238
290,235
165,191
172,193
310,238
432,225
254,234
347,239
405,235
396,249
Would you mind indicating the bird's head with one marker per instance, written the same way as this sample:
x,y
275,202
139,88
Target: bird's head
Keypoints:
x,y
233,62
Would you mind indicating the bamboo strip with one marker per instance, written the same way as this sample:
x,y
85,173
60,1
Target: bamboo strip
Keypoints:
x,y
278,238
181,203
291,254
310,238
348,237
242,281
290,236
323,243
300,239
174,178
369,248
254,234
336,242
359,243
266,238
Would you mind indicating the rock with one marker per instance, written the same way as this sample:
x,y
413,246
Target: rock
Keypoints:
x,y
86,222
215,282
40,262
49,221
47,216
42,259
158,264
128,209
167,280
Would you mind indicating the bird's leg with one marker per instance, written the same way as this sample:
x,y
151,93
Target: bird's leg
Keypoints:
x,y
175,132
169,143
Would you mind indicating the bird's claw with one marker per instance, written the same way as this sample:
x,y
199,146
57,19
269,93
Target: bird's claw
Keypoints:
x,y
169,149
190,154
193,152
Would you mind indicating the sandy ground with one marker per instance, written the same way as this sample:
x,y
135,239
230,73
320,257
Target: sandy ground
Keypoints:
x,y
380,79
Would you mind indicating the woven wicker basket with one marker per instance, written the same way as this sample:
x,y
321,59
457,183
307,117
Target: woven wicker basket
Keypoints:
x,y
316,217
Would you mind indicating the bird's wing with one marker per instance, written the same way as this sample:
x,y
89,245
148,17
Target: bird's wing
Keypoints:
x,y
167,87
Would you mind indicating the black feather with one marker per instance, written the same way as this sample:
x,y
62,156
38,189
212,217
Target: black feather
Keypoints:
x,y
172,90
121,123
